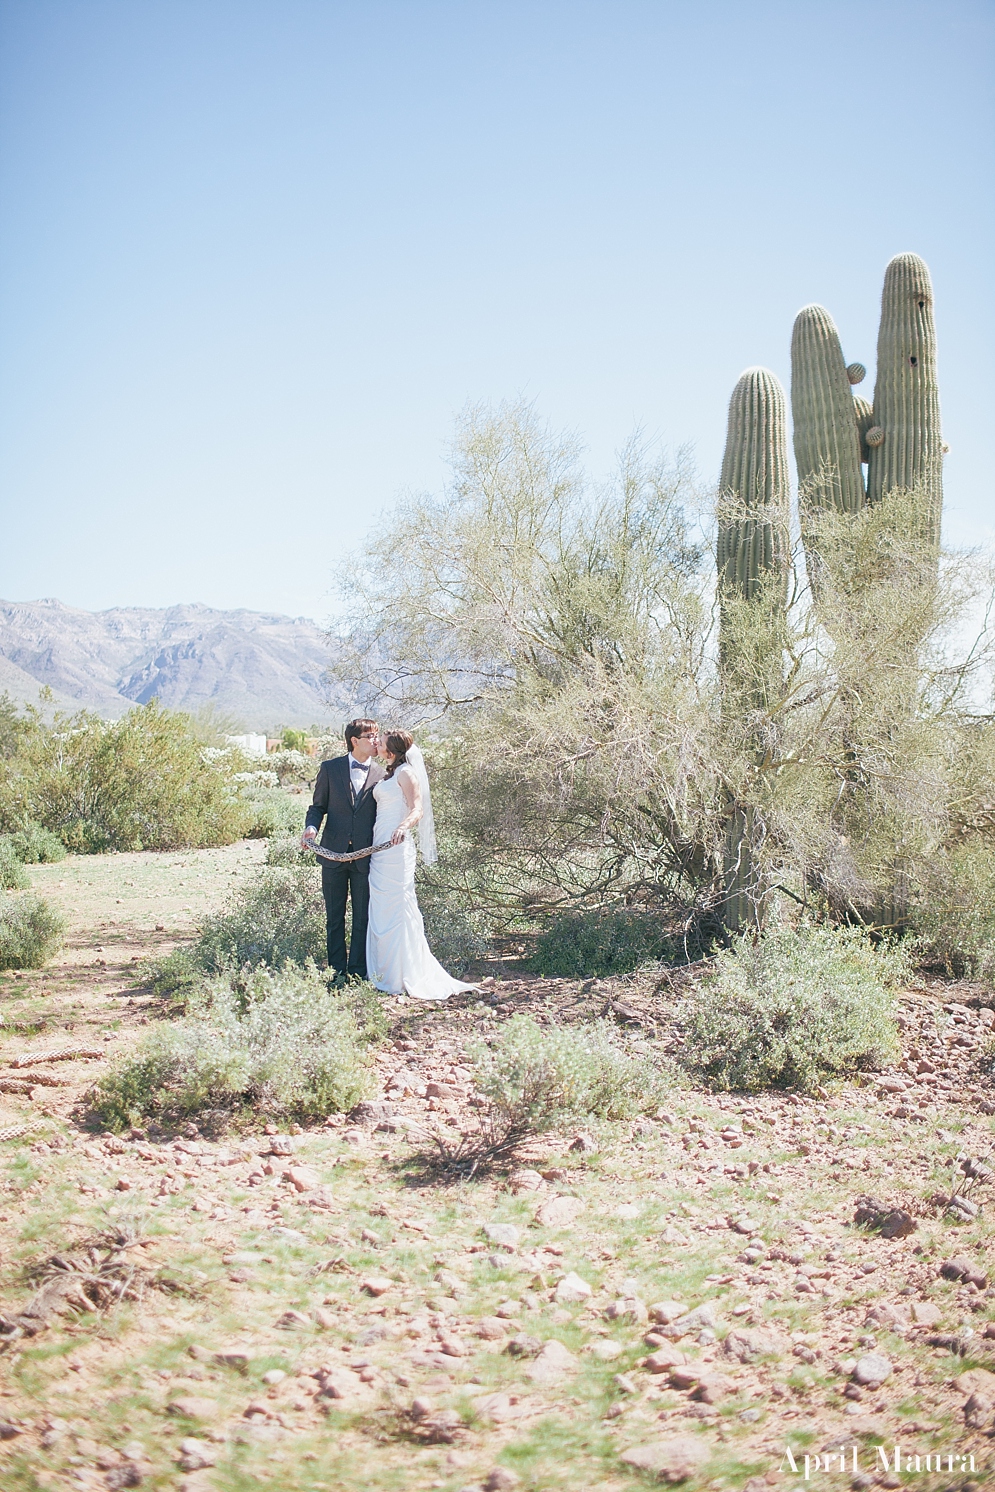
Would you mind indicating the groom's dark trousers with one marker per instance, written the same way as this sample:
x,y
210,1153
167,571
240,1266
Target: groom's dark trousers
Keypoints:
x,y
349,821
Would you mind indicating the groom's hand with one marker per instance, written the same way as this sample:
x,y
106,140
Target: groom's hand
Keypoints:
x,y
308,838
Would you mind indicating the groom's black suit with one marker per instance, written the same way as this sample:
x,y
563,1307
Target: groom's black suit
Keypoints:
x,y
349,821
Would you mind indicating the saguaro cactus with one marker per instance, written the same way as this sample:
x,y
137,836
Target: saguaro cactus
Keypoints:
x,y
827,436
753,486
836,431
751,561
909,452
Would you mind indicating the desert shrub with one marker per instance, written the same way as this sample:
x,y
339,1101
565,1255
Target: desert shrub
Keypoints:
x,y
276,1042
30,932
277,917
592,751
791,1009
272,813
457,933
614,941
366,1005
293,766
142,782
36,845
285,850
955,924
536,1078
13,876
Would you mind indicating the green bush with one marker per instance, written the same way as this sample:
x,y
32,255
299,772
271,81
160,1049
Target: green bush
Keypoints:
x,y
270,1042
275,918
457,935
536,1078
36,845
293,766
142,782
579,945
30,932
955,926
792,1009
272,813
285,850
13,876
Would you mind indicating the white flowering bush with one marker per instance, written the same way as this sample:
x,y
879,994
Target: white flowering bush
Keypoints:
x,y
791,1009
269,1042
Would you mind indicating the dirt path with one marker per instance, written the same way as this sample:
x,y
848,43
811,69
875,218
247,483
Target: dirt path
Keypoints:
x,y
686,1297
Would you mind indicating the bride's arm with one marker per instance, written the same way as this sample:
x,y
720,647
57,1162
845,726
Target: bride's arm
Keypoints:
x,y
409,785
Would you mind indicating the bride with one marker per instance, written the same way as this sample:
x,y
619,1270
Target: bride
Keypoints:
x,y
398,958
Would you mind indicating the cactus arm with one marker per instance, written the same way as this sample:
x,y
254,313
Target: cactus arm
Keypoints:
x,y
753,484
751,563
826,437
906,394
864,411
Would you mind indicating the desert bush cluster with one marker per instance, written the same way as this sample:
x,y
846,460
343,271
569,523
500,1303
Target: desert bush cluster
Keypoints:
x,y
606,757
276,917
261,1042
537,1076
152,780
31,931
792,1009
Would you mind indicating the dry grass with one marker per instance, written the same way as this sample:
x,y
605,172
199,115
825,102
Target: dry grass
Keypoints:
x,y
112,1387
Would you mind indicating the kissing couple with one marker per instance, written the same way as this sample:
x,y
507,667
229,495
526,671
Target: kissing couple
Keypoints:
x,y
367,855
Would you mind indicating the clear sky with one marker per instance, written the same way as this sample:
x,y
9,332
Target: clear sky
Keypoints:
x,y
256,254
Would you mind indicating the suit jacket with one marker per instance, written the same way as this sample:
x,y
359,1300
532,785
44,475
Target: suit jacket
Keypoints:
x,y
348,823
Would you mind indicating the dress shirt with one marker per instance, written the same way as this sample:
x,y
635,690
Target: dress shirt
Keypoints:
x,y
358,772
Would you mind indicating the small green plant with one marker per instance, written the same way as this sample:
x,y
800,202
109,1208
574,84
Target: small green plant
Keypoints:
x,y
275,918
30,932
293,766
536,1078
579,945
791,1009
145,781
36,845
285,850
456,933
272,812
269,1042
955,925
13,876
293,740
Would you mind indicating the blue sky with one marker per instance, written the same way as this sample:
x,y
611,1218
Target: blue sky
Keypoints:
x,y
256,256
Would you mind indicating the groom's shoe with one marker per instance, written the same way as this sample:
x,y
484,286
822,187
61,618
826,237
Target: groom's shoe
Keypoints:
x,y
338,981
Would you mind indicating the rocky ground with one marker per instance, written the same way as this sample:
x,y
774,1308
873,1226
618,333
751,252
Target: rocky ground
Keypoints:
x,y
684,1299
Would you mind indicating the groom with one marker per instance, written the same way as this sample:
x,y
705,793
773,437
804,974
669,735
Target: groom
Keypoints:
x,y
343,797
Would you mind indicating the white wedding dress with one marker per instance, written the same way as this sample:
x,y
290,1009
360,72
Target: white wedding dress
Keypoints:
x,y
398,958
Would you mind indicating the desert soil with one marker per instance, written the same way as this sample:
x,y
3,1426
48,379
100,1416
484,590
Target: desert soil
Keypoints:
x,y
683,1299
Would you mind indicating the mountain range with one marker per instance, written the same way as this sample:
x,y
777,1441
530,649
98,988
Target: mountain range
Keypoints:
x,y
266,671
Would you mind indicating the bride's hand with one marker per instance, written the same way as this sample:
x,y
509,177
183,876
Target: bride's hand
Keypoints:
x,y
398,836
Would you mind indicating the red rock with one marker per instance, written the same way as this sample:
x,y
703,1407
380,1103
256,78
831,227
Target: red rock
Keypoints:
x,y
711,1388
684,1376
302,1178
672,1459
665,1358
376,1285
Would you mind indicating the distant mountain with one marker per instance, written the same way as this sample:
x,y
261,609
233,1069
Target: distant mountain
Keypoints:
x,y
267,670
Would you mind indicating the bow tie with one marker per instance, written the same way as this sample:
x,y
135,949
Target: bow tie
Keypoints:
x,y
359,766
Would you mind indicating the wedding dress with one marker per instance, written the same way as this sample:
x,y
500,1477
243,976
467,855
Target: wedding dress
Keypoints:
x,y
398,958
